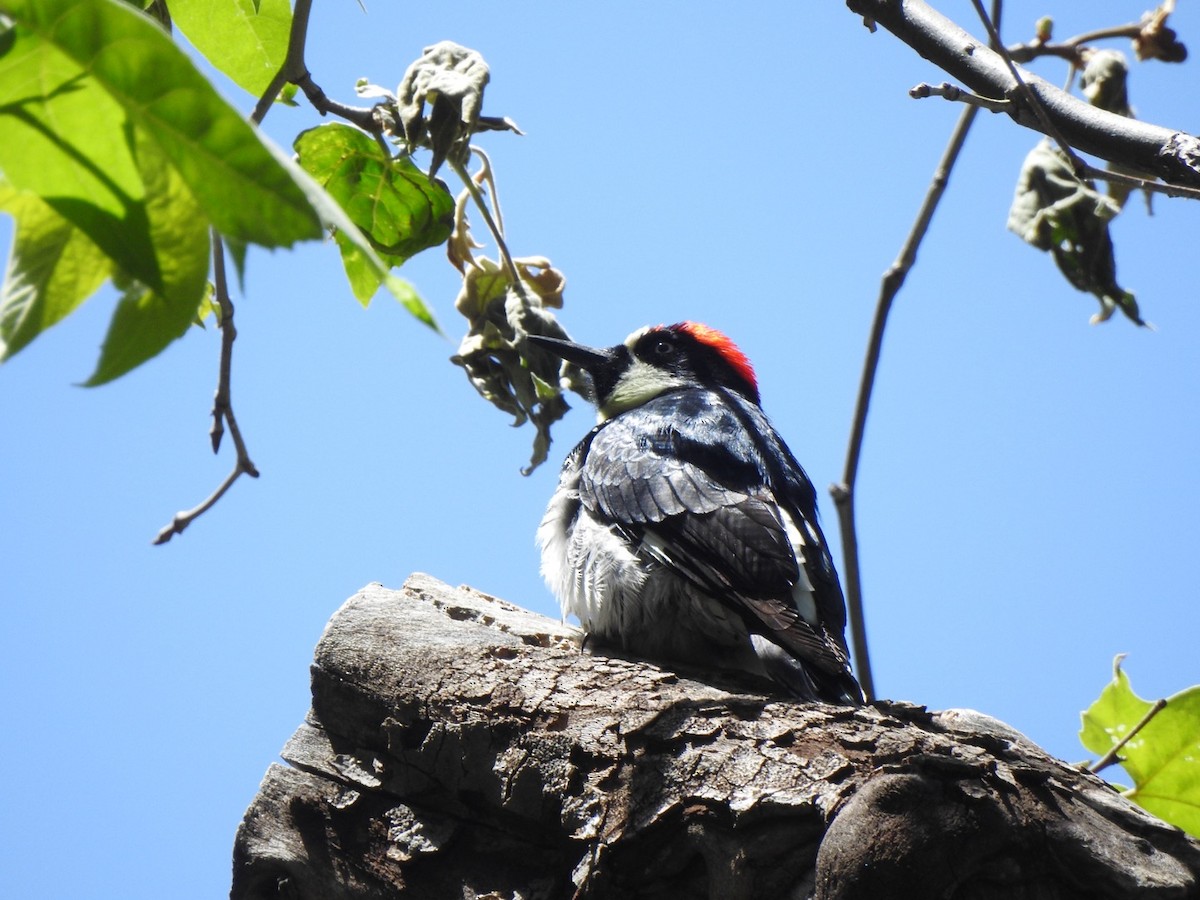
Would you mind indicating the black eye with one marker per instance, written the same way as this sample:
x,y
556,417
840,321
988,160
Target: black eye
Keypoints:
x,y
664,348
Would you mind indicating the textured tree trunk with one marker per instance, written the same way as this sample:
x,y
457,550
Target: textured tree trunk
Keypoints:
x,y
461,747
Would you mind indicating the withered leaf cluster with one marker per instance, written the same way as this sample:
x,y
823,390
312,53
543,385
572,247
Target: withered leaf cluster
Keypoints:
x,y
1053,210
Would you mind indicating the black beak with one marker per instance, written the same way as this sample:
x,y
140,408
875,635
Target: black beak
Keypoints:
x,y
587,358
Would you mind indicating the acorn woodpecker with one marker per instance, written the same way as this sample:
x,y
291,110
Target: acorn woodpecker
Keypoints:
x,y
683,529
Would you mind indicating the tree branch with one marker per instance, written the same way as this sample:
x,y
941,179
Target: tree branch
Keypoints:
x,y
1070,48
1172,155
295,71
1045,124
222,411
1031,102
843,492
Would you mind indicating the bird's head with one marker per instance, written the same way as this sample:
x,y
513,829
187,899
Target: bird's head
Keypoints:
x,y
654,360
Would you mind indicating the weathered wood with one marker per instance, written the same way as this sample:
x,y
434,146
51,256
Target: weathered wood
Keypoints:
x,y
459,746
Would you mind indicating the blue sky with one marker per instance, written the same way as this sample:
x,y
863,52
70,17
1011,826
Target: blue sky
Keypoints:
x,y
1028,484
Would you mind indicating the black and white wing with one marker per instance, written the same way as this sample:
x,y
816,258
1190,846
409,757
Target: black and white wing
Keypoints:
x,y
715,512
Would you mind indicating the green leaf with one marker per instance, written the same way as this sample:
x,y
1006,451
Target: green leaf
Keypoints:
x,y
147,320
52,269
389,210
245,40
1163,759
208,307
241,184
393,202
1115,711
86,171
8,35
411,300
366,275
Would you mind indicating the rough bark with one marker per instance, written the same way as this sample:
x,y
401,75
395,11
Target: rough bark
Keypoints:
x,y
459,746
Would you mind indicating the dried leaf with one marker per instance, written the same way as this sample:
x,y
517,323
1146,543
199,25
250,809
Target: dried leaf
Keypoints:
x,y
451,79
503,367
1053,210
1156,40
1105,84
1105,81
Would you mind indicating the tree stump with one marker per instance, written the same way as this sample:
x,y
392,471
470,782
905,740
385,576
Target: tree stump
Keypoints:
x,y
461,747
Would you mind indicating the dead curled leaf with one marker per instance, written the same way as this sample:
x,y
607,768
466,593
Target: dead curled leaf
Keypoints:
x,y
1156,40
1105,81
450,79
503,367
1053,210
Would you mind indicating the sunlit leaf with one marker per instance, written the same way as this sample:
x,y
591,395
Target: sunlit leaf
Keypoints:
x,y
103,46
397,207
245,40
411,300
52,269
1163,759
394,210
451,79
147,320
86,172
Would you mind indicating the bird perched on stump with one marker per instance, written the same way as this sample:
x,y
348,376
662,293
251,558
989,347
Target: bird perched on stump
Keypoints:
x,y
683,529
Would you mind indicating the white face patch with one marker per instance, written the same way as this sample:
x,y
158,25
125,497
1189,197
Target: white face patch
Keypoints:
x,y
632,340
637,384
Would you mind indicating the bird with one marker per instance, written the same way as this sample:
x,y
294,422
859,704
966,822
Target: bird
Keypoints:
x,y
683,530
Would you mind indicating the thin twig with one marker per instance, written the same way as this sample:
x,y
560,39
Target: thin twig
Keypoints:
x,y
1039,112
497,235
293,67
1112,755
1070,49
222,412
843,492
361,116
1140,184
955,93
295,71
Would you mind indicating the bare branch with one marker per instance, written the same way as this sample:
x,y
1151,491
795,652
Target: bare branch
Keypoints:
x,y
222,411
295,71
363,117
1169,154
183,519
1046,125
1071,49
843,493
1140,184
